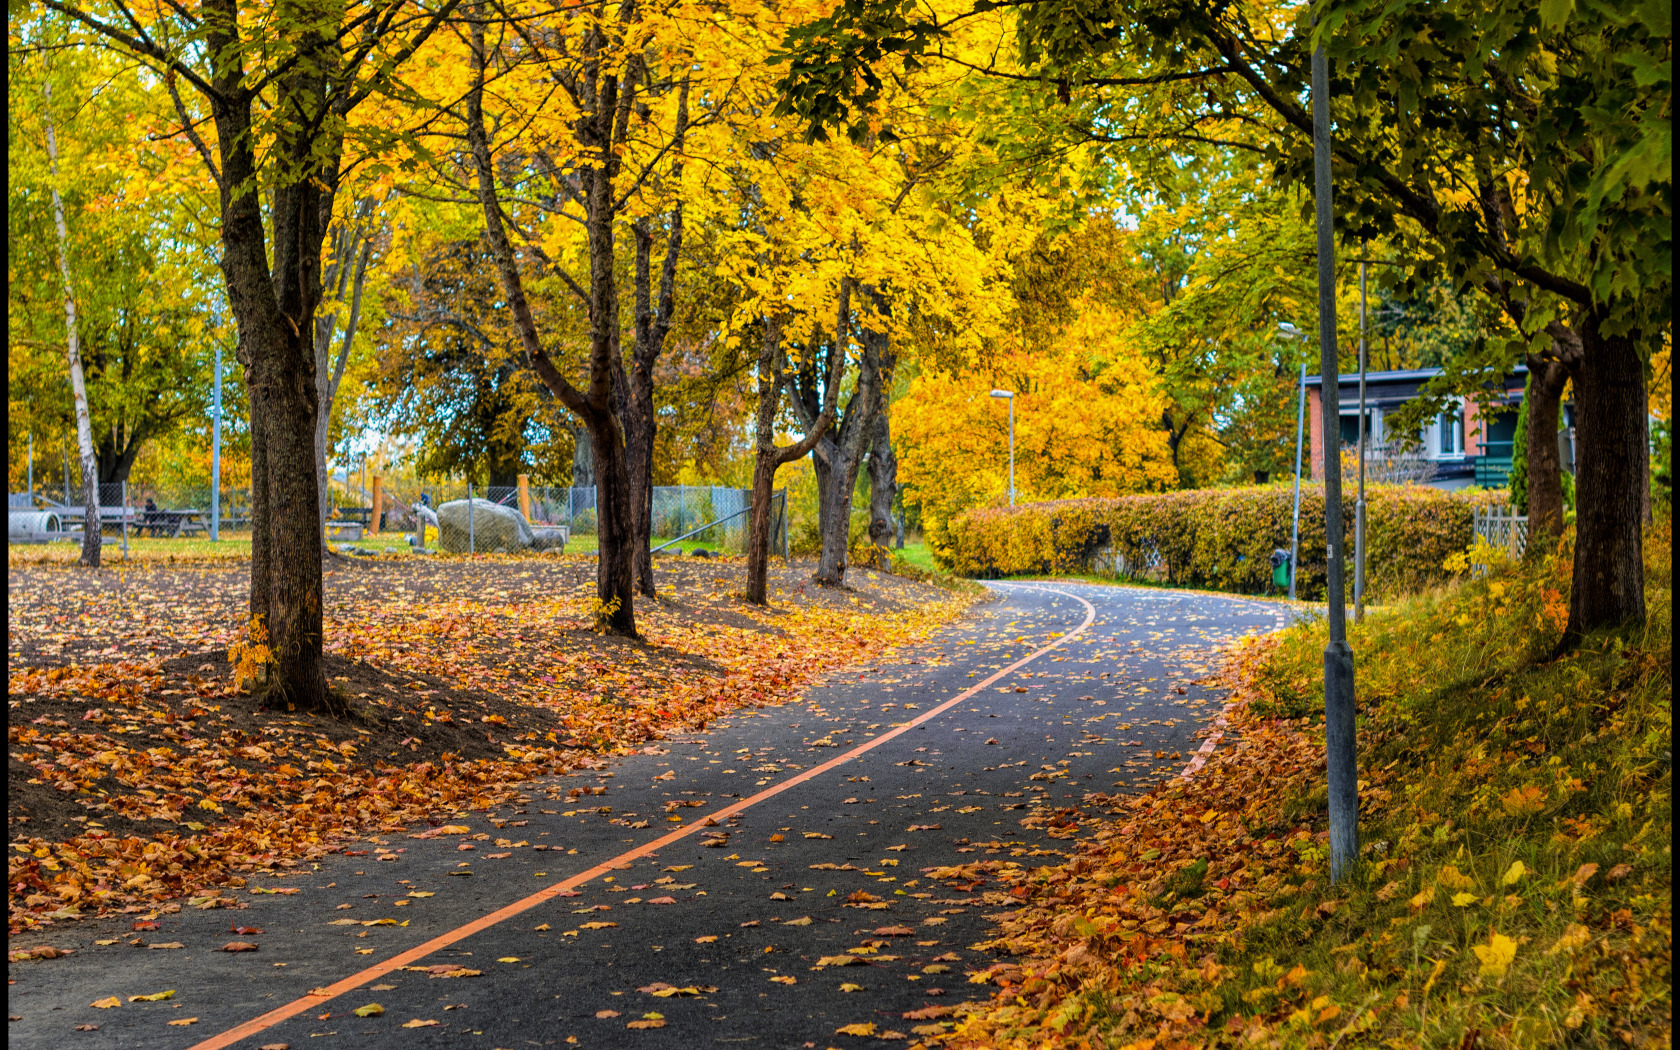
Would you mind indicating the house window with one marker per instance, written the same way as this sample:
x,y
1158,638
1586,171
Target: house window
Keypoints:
x,y
1451,429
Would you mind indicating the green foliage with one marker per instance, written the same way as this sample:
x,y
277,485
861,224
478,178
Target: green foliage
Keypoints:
x,y
1517,480
1219,539
1516,816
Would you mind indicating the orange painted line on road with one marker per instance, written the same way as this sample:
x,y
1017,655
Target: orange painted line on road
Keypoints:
x,y
484,922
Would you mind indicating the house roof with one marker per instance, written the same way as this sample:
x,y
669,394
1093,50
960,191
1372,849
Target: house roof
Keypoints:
x,y
1399,385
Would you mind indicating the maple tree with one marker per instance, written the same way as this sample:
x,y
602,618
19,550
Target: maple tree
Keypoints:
x,y
1466,169
279,86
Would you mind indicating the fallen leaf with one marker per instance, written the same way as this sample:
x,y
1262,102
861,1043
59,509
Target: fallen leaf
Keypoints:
x,y
370,1010
784,980
650,1022
707,939
169,945
417,1023
894,931
1496,955
155,997
508,958
604,1014
663,900
182,1022
106,1003
85,1027
865,1028
238,946
246,931
597,925
849,987
803,920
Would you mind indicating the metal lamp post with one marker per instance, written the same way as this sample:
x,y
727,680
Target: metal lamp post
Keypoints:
x,y
216,452
1009,396
1291,332
1359,504
1341,753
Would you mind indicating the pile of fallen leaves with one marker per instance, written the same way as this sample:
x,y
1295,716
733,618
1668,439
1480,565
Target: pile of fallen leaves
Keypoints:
x,y
1513,887
137,781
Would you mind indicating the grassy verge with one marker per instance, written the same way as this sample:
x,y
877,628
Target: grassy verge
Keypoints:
x,y
1514,883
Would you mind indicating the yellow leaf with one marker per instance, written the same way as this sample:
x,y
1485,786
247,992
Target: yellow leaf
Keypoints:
x,y
417,1023
1463,900
508,958
1496,955
1513,873
155,997
370,1010
182,1022
106,1003
707,939
784,980
865,1028
850,987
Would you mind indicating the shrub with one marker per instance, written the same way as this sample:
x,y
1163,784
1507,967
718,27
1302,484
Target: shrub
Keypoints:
x,y
1218,539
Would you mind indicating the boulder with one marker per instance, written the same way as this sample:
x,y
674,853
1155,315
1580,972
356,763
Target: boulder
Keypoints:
x,y
495,530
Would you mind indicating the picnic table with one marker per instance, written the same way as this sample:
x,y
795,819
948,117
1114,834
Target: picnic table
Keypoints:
x,y
360,515
173,523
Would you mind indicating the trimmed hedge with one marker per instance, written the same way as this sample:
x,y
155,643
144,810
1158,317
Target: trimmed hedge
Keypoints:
x,y
1215,539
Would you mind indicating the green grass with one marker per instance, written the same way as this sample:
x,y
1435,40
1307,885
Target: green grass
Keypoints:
x,y
1511,801
917,556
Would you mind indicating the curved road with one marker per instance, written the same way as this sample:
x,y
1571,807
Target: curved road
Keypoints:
x,y
1046,698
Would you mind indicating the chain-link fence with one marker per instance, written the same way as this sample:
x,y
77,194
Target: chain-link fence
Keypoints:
x,y
147,510
713,515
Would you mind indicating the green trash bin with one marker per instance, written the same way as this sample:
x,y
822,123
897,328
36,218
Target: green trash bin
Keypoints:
x,y
1280,569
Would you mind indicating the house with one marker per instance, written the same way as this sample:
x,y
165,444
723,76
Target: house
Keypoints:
x,y
1469,444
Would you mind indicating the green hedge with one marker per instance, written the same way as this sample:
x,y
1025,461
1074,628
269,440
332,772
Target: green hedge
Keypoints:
x,y
1215,539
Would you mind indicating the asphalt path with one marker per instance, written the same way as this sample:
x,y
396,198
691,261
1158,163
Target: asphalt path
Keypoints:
x,y
609,882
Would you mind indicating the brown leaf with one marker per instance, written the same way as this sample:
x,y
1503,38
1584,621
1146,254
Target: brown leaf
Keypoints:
x,y
604,1014
238,946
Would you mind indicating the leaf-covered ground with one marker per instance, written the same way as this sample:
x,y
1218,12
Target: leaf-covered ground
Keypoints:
x,y
1514,887
137,774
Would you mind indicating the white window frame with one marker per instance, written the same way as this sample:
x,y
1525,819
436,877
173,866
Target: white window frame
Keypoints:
x,y
1438,431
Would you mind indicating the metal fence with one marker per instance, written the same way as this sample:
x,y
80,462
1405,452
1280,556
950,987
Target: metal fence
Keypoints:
x,y
685,512
1503,528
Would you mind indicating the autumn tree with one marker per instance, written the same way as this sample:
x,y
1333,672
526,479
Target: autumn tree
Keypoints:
x,y
1521,150
264,96
96,228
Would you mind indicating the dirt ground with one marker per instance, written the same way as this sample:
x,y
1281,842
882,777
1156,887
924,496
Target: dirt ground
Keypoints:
x,y
442,662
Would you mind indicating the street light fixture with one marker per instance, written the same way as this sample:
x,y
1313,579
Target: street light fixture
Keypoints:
x,y
1009,395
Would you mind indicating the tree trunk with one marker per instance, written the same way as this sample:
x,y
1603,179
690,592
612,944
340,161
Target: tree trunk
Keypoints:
x,y
836,478
1545,483
1610,401
274,306
91,531
583,459
294,536
883,480
595,406
767,458
347,273
261,551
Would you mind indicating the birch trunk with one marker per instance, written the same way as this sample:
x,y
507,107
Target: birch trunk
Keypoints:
x,y
91,536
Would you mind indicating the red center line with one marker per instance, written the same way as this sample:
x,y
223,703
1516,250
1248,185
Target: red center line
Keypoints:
x,y
484,922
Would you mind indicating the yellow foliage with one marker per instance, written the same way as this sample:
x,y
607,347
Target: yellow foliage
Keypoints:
x,y
1087,423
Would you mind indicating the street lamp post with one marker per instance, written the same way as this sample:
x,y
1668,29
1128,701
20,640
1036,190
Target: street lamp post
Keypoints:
x,y
1291,332
1359,504
1009,396
1341,752
216,452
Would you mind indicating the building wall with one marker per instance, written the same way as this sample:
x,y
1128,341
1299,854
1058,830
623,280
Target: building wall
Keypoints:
x,y
1315,429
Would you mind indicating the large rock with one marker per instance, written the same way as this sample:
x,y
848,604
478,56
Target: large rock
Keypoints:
x,y
495,530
